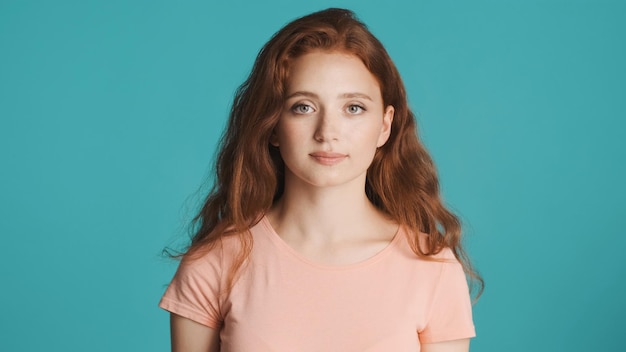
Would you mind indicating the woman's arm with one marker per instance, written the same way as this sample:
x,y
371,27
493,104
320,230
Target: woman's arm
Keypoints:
x,y
189,336
447,346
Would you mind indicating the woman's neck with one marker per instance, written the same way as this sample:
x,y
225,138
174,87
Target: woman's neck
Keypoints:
x,y
326,214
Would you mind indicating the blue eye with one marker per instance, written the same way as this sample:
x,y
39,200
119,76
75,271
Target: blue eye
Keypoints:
x,y
302,109
355,109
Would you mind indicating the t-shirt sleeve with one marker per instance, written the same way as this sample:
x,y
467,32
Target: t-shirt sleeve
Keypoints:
x,y
194,292
450,317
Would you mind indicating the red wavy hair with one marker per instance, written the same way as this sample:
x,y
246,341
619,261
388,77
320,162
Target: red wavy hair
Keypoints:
x,y
401,181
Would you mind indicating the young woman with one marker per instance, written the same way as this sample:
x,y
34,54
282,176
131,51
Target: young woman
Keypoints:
x,y
325,230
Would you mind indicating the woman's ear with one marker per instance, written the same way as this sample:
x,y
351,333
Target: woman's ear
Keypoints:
x,y
274,139
385,131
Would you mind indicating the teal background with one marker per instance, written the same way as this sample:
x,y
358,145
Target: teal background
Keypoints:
x,y
110,112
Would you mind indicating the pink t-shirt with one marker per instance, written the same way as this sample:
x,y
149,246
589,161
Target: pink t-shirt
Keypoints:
x,y
281,301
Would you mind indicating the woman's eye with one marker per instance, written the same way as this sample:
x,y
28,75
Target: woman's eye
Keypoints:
x,y
355,109
302,109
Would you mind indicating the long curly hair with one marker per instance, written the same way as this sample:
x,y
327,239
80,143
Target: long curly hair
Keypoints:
x,y
401,181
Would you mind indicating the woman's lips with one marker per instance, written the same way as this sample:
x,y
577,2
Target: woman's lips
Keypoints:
x,y
328,158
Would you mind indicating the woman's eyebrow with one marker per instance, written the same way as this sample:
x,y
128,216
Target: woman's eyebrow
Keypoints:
x,y
355,95
351,95
303,94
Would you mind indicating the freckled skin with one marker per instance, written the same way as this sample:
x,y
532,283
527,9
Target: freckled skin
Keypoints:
x,y
332,121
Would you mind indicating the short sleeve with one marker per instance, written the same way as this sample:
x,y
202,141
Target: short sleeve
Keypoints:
x,y
194,292
450,316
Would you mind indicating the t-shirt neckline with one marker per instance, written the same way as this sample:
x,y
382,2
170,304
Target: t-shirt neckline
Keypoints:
x,y
282,245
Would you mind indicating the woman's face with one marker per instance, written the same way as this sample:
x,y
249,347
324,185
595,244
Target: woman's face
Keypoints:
x,y
332,121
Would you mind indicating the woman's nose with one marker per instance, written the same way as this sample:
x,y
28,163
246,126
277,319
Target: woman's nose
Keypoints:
x,y
327,127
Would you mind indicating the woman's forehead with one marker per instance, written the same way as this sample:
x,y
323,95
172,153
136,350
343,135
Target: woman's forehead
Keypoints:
x,y
336,73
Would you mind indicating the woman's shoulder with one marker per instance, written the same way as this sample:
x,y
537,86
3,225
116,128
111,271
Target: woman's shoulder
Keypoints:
x,y
227,244
441,254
